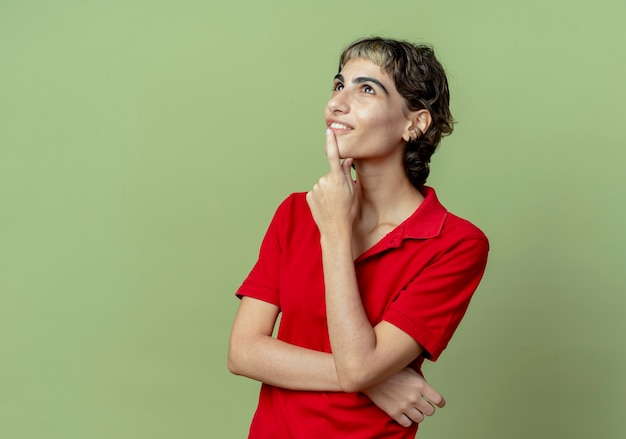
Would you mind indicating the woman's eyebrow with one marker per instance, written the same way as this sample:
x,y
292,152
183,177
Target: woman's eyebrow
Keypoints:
x,y
362,79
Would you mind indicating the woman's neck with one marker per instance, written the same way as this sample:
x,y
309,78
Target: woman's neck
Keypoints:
x,y
387,196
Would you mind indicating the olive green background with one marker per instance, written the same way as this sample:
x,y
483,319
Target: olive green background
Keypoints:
x,y
144,146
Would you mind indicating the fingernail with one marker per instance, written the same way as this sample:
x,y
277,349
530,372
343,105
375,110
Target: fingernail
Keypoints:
x,y
329,132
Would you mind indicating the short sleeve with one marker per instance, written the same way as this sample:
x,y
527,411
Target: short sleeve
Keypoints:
x,y
431,307
263,280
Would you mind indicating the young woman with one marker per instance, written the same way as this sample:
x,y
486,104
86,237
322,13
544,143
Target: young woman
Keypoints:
x,y
371,274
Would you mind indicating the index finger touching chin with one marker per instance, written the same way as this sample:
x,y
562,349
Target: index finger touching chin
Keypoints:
x,y
332,150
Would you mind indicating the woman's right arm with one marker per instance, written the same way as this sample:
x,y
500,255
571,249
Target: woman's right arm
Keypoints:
x,y
254,353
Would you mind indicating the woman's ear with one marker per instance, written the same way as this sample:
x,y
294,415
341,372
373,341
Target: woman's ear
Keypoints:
x,y
418,122
421,121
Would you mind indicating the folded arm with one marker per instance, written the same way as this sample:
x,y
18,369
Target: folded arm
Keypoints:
x,y
254,353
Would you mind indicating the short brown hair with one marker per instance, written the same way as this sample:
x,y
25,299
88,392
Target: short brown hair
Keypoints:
x,y
421,80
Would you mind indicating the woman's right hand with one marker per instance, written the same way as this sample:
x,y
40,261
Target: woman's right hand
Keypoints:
x,y
406,397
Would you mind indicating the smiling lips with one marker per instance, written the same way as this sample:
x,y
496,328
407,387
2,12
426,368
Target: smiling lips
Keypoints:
x,y
337,126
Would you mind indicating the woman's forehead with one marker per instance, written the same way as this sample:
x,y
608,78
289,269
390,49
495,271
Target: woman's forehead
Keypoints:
x,y
363,65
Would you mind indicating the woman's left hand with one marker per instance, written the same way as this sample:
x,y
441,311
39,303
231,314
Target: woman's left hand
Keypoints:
x,y
333,200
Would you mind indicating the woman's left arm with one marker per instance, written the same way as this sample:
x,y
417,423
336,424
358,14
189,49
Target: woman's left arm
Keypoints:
x,y
364,355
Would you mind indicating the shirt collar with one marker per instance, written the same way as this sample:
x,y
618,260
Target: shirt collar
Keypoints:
x,y
427,220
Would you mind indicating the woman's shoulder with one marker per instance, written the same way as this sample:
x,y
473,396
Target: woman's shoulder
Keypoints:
x,y
294,205
462,228
294,200
449,224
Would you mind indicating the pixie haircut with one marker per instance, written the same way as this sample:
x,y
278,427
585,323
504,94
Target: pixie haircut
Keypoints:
x,y
421,81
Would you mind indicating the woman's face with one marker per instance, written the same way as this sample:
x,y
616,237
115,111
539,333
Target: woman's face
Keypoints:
x,y
367,114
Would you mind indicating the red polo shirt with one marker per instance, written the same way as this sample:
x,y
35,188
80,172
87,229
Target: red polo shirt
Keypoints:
x,y
420,277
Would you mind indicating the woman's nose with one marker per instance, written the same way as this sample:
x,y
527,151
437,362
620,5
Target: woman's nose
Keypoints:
x,y
338,103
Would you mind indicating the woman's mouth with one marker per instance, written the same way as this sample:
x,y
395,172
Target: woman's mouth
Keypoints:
x,y
338,126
